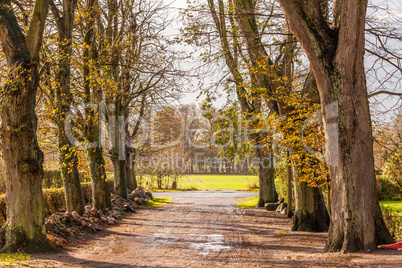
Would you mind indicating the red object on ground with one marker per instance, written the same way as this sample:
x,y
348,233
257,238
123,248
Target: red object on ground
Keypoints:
x,y
392,246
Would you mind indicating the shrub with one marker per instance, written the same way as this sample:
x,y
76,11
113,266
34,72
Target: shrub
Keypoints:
x,y
392,169
389,191
52,179
252,186
53,200
393,220
281,177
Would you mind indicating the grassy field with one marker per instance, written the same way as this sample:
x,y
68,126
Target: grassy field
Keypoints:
x,y
206,182
16,259
158,202
249,202
393,205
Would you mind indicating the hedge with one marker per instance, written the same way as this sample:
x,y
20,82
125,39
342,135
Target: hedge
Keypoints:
x,y
54,199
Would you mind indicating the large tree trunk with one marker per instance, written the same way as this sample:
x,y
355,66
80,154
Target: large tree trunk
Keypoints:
x,y
120,183
266,172
24,229
67,153
100,191
310,215
118,154
93,94
289,186
71,177
130,169
336,56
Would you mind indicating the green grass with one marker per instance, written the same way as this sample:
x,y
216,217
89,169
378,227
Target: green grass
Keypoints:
x,y
16,259
158,202
392,205
206,182
249,202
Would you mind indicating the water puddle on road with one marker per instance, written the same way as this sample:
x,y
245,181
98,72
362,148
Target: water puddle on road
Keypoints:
x,y
210,243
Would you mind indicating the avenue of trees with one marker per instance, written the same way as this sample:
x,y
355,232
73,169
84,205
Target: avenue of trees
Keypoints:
x,y
93,81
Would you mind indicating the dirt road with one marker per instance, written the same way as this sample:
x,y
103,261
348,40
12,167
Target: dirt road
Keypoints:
x,y
205,229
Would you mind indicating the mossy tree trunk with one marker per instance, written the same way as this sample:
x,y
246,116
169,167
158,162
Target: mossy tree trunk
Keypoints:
x,y
289,186
336,53
93,95
100,191
310,214
67,153
24,229
118,155
130,169
266,177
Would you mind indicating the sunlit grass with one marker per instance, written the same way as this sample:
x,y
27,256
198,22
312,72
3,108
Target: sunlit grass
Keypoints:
x,y
206,182
226,182
249,202
16,259
392,205
158,202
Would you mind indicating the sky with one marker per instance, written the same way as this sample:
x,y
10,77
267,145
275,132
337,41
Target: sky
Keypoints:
x,y
385,101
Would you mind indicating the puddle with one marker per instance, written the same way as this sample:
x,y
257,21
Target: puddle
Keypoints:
x,y
119,250
213,243
293,258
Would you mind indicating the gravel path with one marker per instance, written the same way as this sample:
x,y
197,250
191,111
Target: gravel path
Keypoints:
x,y
205,229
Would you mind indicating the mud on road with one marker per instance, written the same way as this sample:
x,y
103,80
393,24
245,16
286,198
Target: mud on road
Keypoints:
x,y
205,229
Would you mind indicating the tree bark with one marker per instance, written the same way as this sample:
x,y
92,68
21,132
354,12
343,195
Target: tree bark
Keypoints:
x,y
100,191
120,183
289,186
118,154
24,229
310,215
130,169
336,54
266,177
96,161
67,153
71,177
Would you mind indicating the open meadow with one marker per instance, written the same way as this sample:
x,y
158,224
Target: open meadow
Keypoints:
x,y
208,182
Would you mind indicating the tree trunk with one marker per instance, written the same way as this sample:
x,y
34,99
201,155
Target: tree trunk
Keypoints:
x,y
24,229
336,54
159,181
93,94
266,172
71,178
310,215
67,153
118,154
120,183
250,103
130,169
100,191
289,186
